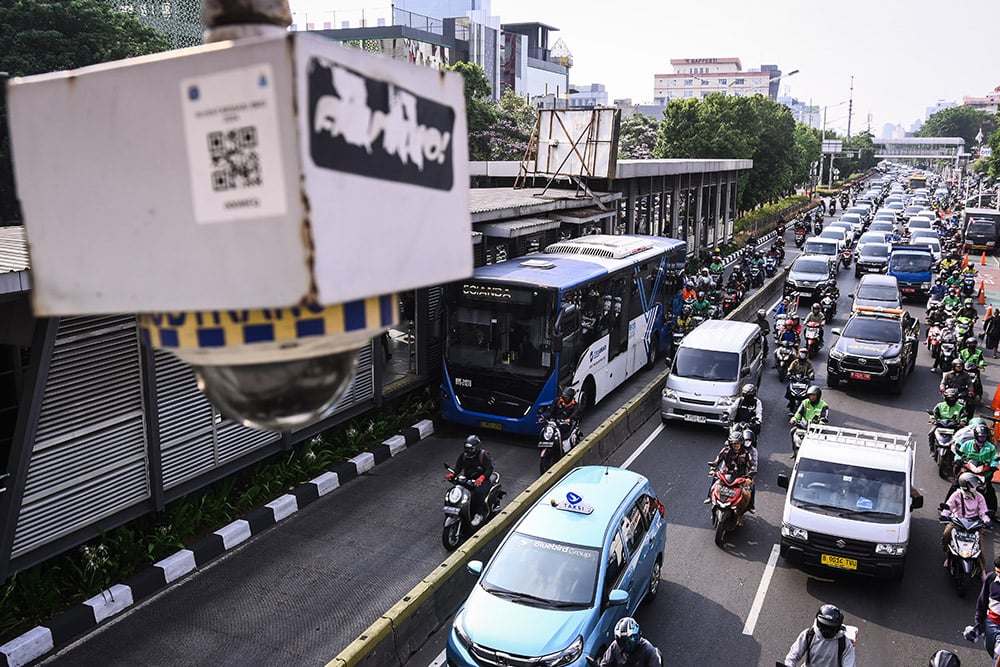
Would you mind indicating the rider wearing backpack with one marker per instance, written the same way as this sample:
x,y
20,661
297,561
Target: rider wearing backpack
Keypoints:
x,y
822,644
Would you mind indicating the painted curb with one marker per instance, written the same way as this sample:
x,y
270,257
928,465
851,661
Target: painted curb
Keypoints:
x,y
86,616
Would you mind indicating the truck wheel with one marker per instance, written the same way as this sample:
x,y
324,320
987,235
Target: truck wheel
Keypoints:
x,y
832,380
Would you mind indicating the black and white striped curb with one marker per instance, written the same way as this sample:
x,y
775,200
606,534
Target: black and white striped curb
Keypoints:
x,y
84,617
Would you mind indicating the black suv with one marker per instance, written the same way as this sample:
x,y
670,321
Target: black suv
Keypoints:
x,y
875,346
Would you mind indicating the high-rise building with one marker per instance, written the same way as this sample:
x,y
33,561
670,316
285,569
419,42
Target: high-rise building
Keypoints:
x,y
530,67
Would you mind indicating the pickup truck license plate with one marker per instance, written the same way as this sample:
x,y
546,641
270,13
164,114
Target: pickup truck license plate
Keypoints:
x,y
860,376
491,425
908,290
838,561
700,419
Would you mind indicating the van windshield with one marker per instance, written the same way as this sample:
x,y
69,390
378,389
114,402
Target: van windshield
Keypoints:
x,y
538,572
850,491
879,292
820,248
706,364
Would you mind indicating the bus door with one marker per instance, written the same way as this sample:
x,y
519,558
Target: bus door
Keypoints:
x,y
618,331
567,342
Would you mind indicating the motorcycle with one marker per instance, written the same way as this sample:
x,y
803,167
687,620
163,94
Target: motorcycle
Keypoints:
x,y
829,307
770,265
728,302
783,355
798,384
780,229
817,227
458,520
948,350
976,396
932,302
934,340
756,275
963,550
798,432
963,328
846,257
551,444
800,236
968,285
730,499
813,333
941,450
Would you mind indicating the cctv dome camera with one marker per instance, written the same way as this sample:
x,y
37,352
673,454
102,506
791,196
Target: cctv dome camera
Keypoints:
x,y
277,369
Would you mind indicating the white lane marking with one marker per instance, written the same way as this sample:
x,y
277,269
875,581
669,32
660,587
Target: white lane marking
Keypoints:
x,y
758,600
642,447
439,660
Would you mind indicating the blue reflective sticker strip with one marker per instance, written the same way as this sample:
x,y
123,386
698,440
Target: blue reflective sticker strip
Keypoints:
x,y
245,327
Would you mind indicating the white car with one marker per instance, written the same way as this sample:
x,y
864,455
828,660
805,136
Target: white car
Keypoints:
x,y
871,237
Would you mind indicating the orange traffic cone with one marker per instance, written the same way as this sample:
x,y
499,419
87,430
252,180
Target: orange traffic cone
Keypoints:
x,y
982,260
982,292
989,312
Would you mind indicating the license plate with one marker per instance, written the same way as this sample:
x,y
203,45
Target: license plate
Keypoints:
x,y
908,290
492,425
860,376
838,561
450,510
700,419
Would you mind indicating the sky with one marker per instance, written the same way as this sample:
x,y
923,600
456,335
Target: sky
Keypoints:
x,y
904,55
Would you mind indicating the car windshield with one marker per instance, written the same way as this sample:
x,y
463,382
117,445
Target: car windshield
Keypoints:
x,y
919,223
538,572
878,293
911,263
980,228
818,248
850,491
881,227
872,237
835,234
873,328
706,364
811,266
875,250
851,218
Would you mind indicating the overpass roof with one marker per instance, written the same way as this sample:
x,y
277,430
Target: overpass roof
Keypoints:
x,y
922,141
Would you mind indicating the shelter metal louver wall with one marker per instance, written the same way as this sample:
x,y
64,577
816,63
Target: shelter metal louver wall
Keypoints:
x,y
89,456
362,387
435,298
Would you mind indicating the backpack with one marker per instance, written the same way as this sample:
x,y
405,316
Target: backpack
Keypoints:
x,y
841,645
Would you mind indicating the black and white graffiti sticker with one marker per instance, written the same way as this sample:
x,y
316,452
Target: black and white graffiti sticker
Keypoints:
x,y
377,129
234,154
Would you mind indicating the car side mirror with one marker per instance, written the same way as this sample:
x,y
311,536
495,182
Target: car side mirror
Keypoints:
x,y
916,502
783,480
617,598
475,567
851,295
835,331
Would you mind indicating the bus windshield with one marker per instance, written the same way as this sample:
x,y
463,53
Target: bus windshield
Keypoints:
x,y
511,337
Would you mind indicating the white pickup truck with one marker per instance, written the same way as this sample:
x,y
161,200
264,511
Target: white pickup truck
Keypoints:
x,y
849,501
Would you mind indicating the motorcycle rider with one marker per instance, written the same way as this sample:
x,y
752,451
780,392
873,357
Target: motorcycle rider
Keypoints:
x,y
811,410
749,408
952,301
972,353
987,620
967,310
936,316
702,307
765,327
938,290
685,322
716,267
476,464
824,643
737,460
948,410
704,282
978,449
954,279
630,648
957,378
565,411
966,503
801,365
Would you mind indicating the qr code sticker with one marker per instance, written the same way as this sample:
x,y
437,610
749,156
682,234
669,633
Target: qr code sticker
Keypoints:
x,y
235,162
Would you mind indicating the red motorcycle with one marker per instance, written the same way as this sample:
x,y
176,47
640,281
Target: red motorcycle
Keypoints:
x,y
846,257
813,335
730,499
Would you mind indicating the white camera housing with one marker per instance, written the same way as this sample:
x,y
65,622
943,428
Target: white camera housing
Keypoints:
x,y
282,182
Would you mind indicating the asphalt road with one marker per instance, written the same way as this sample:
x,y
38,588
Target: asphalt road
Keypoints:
x,y
301,591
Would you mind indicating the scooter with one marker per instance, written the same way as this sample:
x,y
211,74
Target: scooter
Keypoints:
x,y
968,285
551,444
846,258
941,449
783,354
756,275
948,350
458,520
798,432
963,328
729,502
800,236
813,334
963,550
934,340
797,386
770,265
829,307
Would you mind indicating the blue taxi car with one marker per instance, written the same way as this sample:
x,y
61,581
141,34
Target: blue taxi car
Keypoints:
x,y
584,556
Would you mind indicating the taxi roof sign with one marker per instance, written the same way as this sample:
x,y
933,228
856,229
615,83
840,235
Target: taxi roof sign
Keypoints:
x,y
572,503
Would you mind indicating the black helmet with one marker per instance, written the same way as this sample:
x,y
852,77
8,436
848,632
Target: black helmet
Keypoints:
x,y
736,436
568,394
951,395
627,634
981,433
945,658
829,619
749,390
686,310
813,389
472,445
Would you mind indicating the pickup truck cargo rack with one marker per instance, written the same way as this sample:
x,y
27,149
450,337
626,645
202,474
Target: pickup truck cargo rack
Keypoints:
x,y
855,437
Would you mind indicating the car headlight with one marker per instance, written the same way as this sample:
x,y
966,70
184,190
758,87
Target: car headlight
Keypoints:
x,y
459,626
890,549
670,394
566,656
925,285
728,401
836,354
794,532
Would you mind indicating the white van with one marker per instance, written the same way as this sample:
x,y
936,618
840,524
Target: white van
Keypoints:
x,y
849,502
710,366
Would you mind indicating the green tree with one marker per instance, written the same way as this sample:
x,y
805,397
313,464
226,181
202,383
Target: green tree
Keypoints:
x,y
515,122
38,36
963,121
806,152
480,110
637,137
991,163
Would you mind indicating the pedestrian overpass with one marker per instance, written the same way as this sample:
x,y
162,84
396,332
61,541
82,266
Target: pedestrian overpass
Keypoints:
x,y
921,148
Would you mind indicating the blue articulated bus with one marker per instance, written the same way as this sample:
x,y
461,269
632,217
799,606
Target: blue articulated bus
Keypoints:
x,y
587,313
